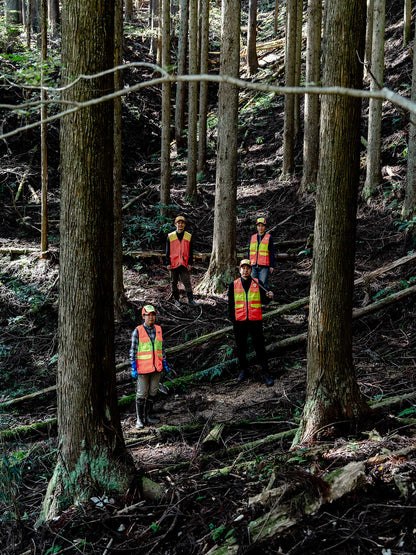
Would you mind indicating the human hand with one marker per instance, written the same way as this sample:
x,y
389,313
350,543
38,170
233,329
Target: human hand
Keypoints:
x,y
269,294
169,267
271,269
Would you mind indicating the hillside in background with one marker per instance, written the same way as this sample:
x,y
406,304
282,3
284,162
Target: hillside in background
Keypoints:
x,y
247,488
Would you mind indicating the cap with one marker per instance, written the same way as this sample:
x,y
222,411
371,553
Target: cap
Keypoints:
x,y
148,309
245,262
179,218
261,221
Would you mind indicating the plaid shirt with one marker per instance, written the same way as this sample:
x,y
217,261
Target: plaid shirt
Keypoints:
x,y
151,332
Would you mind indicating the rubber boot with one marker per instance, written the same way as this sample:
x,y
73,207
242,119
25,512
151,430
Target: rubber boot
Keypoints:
x,y
191,299
150,418
140,409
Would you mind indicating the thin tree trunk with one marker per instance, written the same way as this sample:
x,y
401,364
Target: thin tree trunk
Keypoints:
x,y
332,393
298,67
181,87
191,189
43,138
409,204
128,12
276,16
407,21
288,164
53,16
166,112
369,34
222,265
252,61
203,86
373,173
313,76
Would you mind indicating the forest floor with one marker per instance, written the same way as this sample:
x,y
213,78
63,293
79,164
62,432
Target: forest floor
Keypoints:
x,y
246,491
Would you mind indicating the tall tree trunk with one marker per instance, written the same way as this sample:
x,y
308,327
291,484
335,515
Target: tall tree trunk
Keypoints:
x,y
128,12
92,454
252,60
332,393
223,257
407,21
369,33
203,86
166,110
191,189
120,299
298,66
313,75
43,138
288,164
154,50
181,87
54,17
276,16
409,204
373,174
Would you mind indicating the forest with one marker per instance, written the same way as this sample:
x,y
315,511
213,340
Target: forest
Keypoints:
x,y
117,117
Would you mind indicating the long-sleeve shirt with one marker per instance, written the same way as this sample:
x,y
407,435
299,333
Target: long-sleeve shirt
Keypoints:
x,y
246,285
271,249
191,249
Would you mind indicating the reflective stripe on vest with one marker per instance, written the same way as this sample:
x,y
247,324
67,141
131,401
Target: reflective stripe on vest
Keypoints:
x,y
179,250
247,306
149,356
259,253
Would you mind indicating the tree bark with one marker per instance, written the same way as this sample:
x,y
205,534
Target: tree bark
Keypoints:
x,y
181,86
409,204
120,299
92,455
288,163
222,266
407,21
166,111
54,17
373,174
203,87
332,393
43,138
252,60
369,33
191,189
313,76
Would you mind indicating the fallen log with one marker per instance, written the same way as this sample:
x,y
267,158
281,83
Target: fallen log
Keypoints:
x,y
227,365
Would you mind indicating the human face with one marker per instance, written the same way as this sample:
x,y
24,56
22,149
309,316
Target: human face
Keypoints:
x,y
149,319
261,228
245,271
180,226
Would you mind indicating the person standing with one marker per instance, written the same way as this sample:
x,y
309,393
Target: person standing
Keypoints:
x,y
261,253
245,297
179,260
147,363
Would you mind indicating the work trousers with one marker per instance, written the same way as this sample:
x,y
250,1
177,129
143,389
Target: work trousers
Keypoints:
x,y
242,331
261,273
180,274
147,385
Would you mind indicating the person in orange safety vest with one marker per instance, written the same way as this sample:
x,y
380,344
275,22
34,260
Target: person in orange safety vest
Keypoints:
x,y
245,297
147,362
179,260
261,253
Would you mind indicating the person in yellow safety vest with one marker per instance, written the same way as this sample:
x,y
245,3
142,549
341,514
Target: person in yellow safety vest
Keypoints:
x,y
147,362
261,253
179,260
245,297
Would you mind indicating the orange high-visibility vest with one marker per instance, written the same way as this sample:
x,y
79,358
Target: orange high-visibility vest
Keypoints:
x,y
247,306
179,250
259,253
149,356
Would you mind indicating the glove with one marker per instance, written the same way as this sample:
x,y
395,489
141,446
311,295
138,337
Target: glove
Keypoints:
x,y
166,367
134,373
